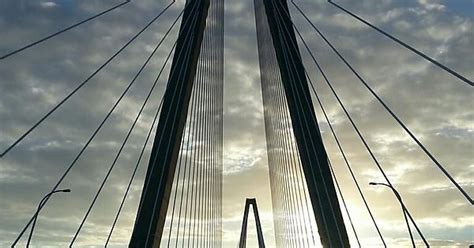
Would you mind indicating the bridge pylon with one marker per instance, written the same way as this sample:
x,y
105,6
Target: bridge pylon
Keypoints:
x,y
151,216
243,232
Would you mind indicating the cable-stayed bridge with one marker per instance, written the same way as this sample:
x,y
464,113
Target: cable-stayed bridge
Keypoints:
x,y
181,153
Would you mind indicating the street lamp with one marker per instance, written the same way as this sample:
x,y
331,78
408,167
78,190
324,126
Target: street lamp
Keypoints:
x,y
404,209
40,206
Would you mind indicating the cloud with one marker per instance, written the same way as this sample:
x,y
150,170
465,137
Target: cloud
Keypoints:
x,y
48,4
432,5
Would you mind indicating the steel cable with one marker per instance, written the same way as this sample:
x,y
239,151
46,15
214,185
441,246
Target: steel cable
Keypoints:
x,y
60,103
389,110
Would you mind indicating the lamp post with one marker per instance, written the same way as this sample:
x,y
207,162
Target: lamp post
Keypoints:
x,y
404,209
40,206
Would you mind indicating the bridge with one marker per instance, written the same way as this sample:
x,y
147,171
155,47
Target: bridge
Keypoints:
x,y
167,164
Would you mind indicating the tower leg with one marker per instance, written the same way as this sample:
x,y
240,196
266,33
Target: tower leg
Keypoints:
x,y
312,153
161,168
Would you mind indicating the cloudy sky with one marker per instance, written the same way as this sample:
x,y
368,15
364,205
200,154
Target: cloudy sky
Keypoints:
x,y
434,104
